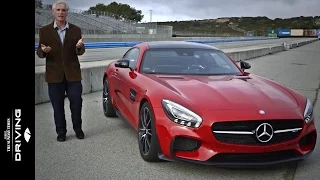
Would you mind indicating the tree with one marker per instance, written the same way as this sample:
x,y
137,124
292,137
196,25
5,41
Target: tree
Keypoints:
x,y
38,4
119,11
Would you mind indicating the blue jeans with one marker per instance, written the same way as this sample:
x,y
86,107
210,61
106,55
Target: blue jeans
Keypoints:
x,y
57,95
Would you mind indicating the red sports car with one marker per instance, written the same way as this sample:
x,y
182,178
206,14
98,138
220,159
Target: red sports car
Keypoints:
x,y
192,102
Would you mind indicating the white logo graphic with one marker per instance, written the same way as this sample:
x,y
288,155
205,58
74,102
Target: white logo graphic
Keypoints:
x,y
262,112
7,134
13,135
27,135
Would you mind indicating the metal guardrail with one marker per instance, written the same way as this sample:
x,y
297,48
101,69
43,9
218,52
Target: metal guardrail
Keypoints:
x,y
94,45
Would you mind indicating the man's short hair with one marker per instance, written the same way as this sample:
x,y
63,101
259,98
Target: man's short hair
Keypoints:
x,y
54,5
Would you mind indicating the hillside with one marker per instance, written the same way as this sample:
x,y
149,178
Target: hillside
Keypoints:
x,y
239,26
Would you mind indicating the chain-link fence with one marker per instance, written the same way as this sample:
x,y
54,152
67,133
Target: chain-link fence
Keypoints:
x,y
96,22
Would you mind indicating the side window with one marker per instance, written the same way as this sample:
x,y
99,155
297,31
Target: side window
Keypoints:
x,y
132,55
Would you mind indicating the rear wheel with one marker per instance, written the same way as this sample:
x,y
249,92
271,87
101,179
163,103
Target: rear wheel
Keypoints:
x,y
147,136
108,109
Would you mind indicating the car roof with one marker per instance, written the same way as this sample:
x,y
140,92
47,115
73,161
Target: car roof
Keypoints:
x,y
177,44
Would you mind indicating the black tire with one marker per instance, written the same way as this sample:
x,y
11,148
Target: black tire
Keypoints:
x,y
108,109
150,154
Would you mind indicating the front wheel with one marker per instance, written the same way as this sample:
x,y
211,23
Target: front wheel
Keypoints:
x,y
148,140
108,109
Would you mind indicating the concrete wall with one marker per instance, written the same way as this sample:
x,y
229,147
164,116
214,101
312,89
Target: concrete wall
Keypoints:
x,y
92,73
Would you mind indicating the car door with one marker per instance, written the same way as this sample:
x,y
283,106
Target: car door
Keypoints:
x,y
126,89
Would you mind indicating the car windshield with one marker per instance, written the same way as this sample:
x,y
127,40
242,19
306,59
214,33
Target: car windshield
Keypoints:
x,y
188,61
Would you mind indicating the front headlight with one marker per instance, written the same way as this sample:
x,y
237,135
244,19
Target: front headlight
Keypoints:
x,y
308,112
180,114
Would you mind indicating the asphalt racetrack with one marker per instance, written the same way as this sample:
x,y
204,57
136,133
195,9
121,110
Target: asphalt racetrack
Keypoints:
x,y
110,148
100,54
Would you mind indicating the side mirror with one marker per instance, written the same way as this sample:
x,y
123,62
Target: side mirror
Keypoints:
x,y
122,63
244,65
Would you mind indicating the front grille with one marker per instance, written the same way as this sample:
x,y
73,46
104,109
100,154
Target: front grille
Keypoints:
x,y
252,140
251,126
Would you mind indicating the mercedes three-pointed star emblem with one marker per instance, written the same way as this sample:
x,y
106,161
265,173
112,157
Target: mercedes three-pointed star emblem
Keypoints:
x,y
264,132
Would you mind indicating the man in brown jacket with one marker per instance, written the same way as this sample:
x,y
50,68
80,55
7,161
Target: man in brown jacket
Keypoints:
x,y
60,43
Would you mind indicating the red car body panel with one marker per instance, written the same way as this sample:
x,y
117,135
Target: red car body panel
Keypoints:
x,y
222,98
228,92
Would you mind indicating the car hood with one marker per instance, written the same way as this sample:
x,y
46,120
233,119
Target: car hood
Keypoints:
x,y
228,92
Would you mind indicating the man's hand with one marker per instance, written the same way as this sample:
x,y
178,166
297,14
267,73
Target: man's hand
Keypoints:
x,y
79,43
45,48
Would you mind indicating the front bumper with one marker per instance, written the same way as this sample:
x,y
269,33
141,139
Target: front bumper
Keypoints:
x,y
245,160
199,145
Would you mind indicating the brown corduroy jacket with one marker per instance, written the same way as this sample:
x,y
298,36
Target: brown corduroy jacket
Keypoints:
x,y
63,58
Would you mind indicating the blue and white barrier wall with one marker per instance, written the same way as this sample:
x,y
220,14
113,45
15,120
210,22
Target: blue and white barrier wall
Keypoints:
x,y
94,45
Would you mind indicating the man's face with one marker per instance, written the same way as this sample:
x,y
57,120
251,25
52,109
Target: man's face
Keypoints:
x,y
60,12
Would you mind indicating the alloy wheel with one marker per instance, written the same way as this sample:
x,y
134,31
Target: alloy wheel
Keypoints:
x,y
145,132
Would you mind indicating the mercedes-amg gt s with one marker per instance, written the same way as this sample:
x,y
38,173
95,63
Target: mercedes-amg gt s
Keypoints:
x,y
192,102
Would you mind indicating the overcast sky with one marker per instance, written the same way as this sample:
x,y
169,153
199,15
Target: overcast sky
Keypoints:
x,y
171,10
